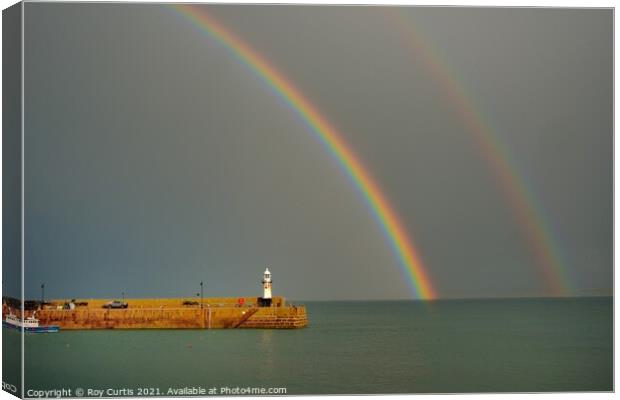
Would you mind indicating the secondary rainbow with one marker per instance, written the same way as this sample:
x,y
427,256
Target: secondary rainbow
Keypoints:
x,y
521,198
400,242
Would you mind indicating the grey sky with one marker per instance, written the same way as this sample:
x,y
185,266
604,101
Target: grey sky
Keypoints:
x,y
155,159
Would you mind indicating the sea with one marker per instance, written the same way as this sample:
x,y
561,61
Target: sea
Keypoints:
x,y
356,347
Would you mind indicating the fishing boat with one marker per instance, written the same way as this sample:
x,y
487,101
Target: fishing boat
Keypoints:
x,y
30,324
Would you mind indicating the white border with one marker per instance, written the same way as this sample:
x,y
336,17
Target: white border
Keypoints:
x,y
22,241
479,3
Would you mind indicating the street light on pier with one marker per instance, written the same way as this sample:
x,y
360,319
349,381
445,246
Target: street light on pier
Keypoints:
x,y
42,294
201,296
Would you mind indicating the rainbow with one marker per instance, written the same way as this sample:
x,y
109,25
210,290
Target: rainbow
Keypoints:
x,y
520,198
398,238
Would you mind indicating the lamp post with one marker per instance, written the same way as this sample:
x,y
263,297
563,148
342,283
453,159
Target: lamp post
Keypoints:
x,y
42,293
201,297
123,297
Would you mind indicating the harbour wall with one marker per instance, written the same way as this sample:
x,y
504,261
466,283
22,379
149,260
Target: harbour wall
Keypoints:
x,y
215,313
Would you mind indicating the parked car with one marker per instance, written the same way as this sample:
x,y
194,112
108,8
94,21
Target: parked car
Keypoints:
x,y
115,304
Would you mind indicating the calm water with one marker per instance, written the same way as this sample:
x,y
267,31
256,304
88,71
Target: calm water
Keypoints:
x,y
352,347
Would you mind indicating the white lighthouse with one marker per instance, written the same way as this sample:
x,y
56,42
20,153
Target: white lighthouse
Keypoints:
x,y
267,284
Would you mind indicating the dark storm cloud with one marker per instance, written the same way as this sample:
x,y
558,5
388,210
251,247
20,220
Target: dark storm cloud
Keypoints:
x,y
155,160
